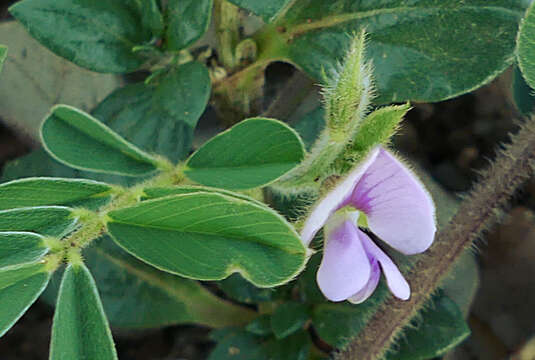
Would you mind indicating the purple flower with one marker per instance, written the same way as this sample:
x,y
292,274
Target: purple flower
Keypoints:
x,y
383,195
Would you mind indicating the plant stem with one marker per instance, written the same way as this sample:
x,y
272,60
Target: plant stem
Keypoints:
x,y
227,24
239,95
477,213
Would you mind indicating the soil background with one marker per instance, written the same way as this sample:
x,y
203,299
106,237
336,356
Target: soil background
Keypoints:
x,y
452,140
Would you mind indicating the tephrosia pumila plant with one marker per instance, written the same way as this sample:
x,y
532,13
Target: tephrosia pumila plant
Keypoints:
x,y
131,219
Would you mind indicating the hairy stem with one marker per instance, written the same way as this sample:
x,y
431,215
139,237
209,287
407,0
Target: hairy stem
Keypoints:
x,y
479,211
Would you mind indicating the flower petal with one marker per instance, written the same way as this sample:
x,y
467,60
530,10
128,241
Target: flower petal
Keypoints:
x,y
345,268
334,200
399,209
370,287
394,278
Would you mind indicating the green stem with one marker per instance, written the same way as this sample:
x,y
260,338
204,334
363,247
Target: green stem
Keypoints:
x,y
227,25
204,307
207,309
238,96
478,212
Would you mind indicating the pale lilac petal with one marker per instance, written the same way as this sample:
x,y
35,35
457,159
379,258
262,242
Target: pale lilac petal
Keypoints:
x,y
345,268
334,200
399,209
394,278
370,287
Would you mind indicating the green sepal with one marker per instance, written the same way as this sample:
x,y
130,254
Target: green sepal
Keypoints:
x,y
80,329
19,288
378,127
79,140
253,153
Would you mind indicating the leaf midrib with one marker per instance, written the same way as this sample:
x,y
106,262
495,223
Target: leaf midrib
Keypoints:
x,y
245,239
334,20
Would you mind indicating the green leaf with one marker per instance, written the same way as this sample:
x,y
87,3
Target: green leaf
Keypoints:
x,y
20,248
158,192
462,282
136,295
267,10
288,318
379,126
260,326
160,118
31,71
237,288
440,329
151,17
3,55
49,191
209,236
423,50
310,126
294,347
19,288
237,344
526,47
77,139
80,329
523,94
44,220
252,153
188,21
97,35
338,323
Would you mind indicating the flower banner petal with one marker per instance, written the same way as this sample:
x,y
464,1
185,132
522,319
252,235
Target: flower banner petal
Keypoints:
x,y
399,209
394,278
334,200
345,268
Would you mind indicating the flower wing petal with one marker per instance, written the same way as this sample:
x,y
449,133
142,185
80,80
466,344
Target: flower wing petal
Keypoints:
x,y
394,278
345,268
334,200
399,209
370,287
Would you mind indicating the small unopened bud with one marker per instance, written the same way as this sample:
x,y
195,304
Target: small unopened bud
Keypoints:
x,y
349,90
